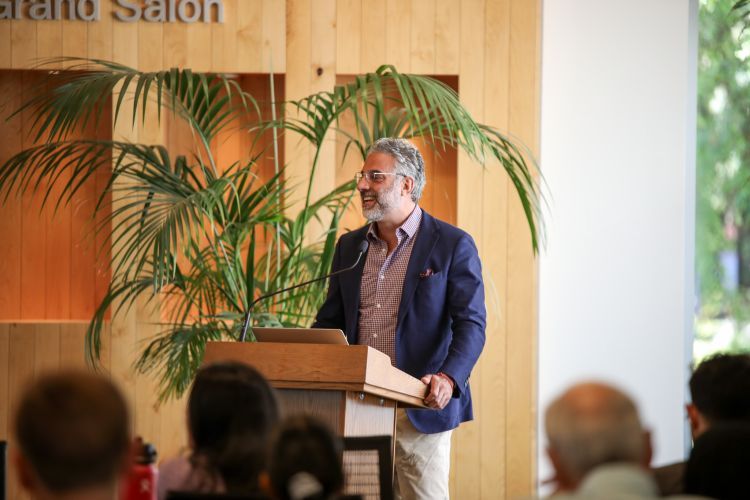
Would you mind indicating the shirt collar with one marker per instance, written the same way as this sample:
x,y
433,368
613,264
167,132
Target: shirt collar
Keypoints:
x,y
408,227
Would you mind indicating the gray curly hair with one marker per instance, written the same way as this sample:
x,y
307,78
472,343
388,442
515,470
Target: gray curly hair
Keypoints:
x,y
409,161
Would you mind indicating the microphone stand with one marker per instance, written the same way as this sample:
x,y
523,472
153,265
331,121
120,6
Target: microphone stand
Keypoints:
x,y
362,250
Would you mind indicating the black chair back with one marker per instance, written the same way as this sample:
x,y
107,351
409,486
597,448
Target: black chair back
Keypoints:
x,y
368,466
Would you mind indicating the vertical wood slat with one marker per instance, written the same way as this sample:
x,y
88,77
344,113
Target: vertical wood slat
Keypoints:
x,y
447,37
274,37
348,36
10,221
23,43
398,34
250,36
323,78
33,234
522,268
75,39
58,259
175,45
224,38
6,45
4,381
151,48
46,348
124,327
49,39
72,346
57,225
423,37
373,44
495,236
298,72
199,51
467,441
99,36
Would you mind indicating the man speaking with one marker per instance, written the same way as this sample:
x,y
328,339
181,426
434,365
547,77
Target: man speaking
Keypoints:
x,y
419,298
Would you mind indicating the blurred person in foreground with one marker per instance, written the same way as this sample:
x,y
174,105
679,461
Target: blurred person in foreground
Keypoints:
x,y
232,411
72,431
720,393
304,461
597,444
717,467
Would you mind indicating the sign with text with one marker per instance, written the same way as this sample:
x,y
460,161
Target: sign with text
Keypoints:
x,y
128,11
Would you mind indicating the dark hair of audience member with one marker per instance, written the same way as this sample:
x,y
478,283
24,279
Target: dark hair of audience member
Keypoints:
x,y
717,467
231,413
73,431
305,461
720,387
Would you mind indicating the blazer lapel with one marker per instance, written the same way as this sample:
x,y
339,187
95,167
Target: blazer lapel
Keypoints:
x,y
350,285
427,237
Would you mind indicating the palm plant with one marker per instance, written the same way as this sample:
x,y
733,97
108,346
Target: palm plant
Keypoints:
x,y
207,241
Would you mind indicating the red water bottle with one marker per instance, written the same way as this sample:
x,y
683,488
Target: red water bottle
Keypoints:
x,y
140,483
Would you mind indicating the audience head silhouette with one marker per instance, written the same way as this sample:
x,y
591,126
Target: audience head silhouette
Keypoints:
x,y
305,461
590,425
717,467
72,430
720,391
231,413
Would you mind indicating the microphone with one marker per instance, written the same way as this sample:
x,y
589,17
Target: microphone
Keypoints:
x,y
361,250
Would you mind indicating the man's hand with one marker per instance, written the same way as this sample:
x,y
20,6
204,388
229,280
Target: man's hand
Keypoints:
x,y
440,390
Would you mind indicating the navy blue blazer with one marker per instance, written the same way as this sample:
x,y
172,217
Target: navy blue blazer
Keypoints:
x,y
441,318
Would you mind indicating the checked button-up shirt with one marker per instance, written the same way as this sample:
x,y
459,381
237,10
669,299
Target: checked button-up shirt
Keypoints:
x,y
382,285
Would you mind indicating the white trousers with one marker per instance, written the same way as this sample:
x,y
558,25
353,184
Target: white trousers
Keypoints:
x,y
422,462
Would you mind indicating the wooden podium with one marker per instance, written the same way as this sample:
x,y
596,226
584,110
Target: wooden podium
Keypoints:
x,y
352,388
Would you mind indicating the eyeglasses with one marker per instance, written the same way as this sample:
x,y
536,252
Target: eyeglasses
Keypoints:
x,y
373,176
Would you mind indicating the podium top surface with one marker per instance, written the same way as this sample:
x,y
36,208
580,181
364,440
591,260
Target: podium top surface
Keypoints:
x,y
357,368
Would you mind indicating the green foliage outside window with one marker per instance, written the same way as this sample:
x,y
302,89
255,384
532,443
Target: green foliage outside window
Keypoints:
x,y
723,178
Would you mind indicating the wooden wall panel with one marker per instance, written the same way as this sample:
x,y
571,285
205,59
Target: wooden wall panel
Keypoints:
x,y
447,37
372,43
398,35
6,44
467,442
224,38
33,234
10,221
494,473
423,37
75,38
521,307
4,385
249,16
48,255
348,28
99,37
274,37
490,46
49,39
22,43
150,48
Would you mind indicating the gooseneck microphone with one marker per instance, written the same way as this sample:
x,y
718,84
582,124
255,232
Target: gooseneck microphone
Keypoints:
x,y
361,250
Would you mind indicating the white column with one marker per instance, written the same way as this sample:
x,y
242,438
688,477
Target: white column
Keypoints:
x,y
618,154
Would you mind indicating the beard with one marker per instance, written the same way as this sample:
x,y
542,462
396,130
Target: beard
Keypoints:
x,y
383,202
